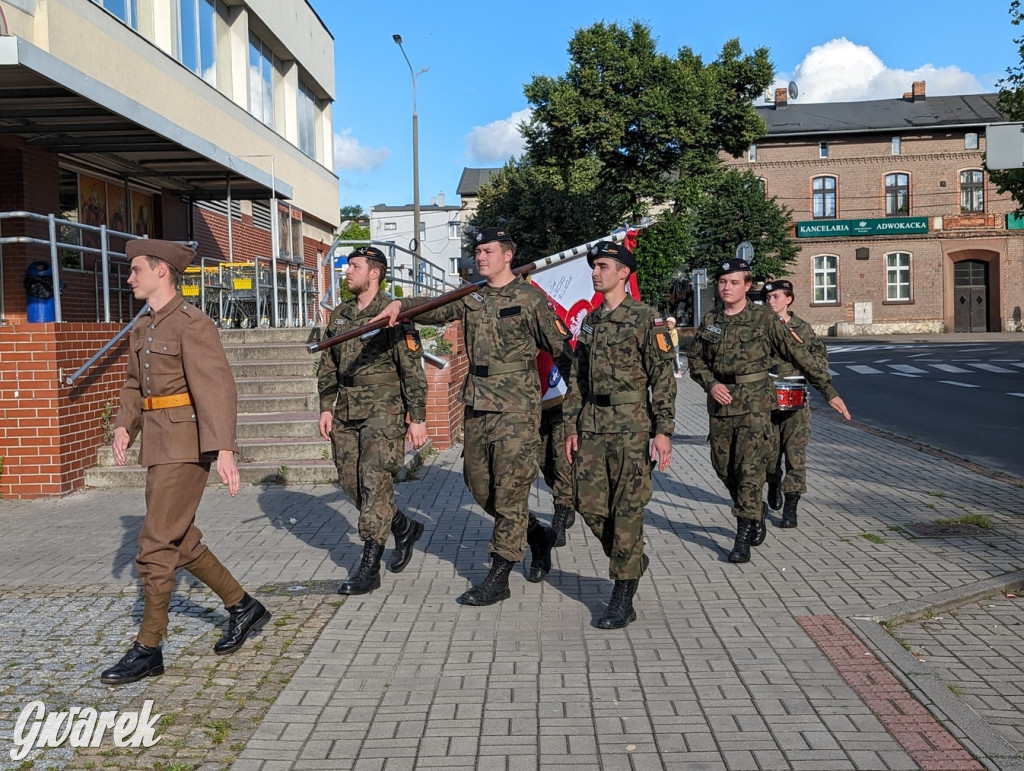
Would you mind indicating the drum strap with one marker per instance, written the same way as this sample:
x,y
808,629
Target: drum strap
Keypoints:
x,y
622,397
741,379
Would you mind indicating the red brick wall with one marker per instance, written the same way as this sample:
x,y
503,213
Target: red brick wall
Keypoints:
x,y
50,430
444,410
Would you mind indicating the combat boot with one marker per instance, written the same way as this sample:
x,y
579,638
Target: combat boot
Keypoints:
x,y
246,617
541,540
407,531
140,661
741,548
775,493
789,510
494,588
563,519
367,575
619,612
760,529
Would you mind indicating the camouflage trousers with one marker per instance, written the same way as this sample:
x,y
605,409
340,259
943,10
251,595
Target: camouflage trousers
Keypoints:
x,y
742,446
499,466
368,453
792,433
612,478
551,458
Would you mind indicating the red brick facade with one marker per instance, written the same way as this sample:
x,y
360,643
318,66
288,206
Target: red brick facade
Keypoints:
x,y
444,410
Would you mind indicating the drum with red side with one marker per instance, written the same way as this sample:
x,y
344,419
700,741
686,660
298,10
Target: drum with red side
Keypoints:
x,y
790,393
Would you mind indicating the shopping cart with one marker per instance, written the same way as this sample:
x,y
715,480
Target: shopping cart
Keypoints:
x,y
247,291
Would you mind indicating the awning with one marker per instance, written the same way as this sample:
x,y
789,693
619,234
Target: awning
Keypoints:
x,y
50,104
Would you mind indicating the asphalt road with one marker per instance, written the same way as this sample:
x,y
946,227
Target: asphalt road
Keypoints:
x,y
965,399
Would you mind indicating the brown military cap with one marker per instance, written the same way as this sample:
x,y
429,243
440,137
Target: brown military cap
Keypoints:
x,y
177,255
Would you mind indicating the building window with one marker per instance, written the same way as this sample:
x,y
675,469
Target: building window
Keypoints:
x,y
824,197
125,10
454,230
453,266
823,149
826,288
972,191
897,195
752,153
261,81
391,226
197,38
897,276
307,120
763,184
970,141
896,145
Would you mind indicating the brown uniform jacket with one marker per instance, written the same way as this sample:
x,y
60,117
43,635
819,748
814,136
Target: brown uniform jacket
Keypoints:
x,y
504,328
381,375
174,350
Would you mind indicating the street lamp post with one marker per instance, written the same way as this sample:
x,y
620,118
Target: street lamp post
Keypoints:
x,y
415,169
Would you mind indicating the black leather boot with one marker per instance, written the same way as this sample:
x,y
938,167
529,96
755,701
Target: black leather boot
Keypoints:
x,y
140,661
541,539
619,612
760,529
741,548
245,618
407,532
494,588
563,519
367,575
775,493
789,510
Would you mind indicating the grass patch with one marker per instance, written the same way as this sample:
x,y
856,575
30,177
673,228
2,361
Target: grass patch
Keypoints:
x,y
978,520
873,537
936,494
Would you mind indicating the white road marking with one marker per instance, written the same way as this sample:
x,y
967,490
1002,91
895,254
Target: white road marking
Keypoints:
x,y
990,367
1020,395
904,374
950,368
864,369
906,369
954,383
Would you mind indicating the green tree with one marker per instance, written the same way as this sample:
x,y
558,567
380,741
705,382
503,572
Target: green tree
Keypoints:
x,y
732,208
359,223
646,117
1011,104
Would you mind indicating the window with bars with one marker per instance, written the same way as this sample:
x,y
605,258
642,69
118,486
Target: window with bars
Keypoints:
x,y
897,195
897,276
826,279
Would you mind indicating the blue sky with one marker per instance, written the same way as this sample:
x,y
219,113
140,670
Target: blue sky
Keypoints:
x,y
479,56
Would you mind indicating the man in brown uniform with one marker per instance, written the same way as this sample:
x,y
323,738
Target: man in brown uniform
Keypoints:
x,y
366,388
504,324
180,393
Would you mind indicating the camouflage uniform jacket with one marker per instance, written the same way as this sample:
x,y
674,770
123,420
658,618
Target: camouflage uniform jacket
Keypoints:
x,y
503,329
743,346
619,355
382,375
814,345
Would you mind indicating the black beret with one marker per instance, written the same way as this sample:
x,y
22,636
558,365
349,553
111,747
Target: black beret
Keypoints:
x,y
487,235
732,266
615,251
781,283
370,253
177,255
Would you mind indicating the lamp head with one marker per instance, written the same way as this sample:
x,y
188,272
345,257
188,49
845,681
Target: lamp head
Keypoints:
x,y
397,39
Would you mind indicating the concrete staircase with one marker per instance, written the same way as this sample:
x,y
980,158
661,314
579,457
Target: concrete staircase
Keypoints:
x,y
278,411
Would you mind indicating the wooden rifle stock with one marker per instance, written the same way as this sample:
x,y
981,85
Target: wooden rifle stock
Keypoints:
x,y
457,294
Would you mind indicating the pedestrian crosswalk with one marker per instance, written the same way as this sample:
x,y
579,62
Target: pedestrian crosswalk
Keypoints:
x,y
924,369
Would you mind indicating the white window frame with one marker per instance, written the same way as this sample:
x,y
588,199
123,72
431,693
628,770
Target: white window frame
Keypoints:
x,y
752,153
898,277
823,149
826,279
893,191
971,140
976,202
390,226
897,145
454,230
825,194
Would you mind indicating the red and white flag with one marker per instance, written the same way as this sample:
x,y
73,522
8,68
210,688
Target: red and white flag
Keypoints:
x,y
571,295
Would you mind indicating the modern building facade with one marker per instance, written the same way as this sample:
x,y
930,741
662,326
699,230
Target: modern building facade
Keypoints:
x,y
440,244
199,120
900,228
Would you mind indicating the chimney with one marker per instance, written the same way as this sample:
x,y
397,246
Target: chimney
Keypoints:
x,y
781,98
440,198
916,93
433,200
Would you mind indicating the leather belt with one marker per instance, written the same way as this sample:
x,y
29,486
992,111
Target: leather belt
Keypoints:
x,y
164,402
490,370
741,379
387,378
622,397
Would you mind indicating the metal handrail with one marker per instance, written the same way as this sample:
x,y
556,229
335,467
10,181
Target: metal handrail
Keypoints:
x,y
70,380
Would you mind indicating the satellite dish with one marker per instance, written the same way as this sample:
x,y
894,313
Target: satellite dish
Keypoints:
x,y
794,92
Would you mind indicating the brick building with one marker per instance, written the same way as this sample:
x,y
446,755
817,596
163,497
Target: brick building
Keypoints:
x,y
900,228
151,118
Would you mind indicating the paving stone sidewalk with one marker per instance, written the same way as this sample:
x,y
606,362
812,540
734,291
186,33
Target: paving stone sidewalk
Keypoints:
x,y
727,666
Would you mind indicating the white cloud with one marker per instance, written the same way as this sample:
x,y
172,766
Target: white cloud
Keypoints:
x,y
842,71
349,155
497,141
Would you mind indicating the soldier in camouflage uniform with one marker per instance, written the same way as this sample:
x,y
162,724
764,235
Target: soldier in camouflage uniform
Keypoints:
x,y
792,427
504,324
621,393
730,357
555,468
366,388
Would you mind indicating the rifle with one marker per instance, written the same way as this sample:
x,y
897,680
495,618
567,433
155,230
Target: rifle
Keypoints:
x,y
449,297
